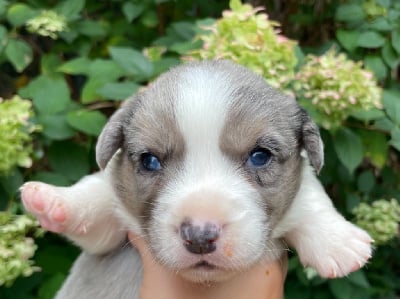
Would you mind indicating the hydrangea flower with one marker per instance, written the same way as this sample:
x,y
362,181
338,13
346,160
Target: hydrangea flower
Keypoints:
x,y
48,23
248,37
381,219
16,248
336,87
15,130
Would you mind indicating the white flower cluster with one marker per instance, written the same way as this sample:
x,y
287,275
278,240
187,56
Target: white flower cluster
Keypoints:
x,y
48,23
17,246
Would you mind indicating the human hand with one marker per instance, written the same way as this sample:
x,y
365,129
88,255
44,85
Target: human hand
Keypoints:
x,y
264,280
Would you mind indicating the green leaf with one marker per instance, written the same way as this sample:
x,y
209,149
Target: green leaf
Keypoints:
x,y
391,102
396,40
349,13
380,24
70,9
49,95
49,288
100,73
51,178
69,159
18,14
134,62
384,124
184,47
348,39
352,200
49,64
384,3
149,19
370,40
69,36
54,258
376,64
184,30
3,7
132,10
19,53
344,289
395,141
118,91
55,126
366,181
90,90
341,289
349,148
12,182
3,38
393,14
358,278
89,122
391,58
165,64
75,66
368,115
103,69
376,147
91,28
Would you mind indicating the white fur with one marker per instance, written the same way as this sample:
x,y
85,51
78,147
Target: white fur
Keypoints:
x,y
323,239
91,220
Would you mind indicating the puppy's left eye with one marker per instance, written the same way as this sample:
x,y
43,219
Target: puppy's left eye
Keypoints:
x,y
259,157
150,162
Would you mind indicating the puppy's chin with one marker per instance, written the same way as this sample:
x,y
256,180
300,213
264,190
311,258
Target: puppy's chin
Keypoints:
x,y
206,274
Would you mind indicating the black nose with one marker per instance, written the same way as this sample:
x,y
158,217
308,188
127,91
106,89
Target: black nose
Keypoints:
x,y
199,239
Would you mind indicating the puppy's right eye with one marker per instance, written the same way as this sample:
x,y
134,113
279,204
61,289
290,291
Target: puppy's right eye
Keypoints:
x,y
259,157
150,162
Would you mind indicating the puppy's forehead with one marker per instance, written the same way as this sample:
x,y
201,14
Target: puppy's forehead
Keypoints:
x,y
202,103
226,105
212,104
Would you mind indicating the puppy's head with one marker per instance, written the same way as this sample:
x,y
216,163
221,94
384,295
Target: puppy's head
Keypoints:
x,y
209,162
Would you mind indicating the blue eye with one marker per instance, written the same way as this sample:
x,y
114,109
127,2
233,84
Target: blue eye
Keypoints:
x,y
150,162
259,158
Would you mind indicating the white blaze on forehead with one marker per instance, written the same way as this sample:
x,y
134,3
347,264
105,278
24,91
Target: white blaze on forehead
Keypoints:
x,y
201,107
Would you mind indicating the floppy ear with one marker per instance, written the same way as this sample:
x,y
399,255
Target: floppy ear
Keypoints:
x,y
111,138
312,141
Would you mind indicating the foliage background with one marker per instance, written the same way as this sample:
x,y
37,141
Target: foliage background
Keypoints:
x,y
75,60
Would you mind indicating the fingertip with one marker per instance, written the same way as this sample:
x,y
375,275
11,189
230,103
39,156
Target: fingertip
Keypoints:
x,y
136,240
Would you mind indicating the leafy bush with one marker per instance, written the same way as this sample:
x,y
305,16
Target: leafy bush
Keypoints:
x,y
370,30
76,60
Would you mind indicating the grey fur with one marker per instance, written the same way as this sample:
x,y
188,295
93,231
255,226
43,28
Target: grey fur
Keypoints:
x,y
147,123
117,275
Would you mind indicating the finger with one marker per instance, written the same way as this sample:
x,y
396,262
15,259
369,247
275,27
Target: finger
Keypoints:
x,y
136,240
141,245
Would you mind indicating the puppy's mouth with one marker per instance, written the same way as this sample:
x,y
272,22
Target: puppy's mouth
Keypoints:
x,y
204,265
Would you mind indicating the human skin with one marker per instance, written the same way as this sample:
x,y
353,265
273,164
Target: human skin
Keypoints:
x,y
264,280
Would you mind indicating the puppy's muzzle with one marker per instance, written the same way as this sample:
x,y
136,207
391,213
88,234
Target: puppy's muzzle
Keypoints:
x,y
199,239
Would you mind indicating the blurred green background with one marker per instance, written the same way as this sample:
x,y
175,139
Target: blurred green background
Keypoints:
x,y
65,66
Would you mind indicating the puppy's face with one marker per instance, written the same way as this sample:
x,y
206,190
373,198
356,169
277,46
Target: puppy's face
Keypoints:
x,y
210,162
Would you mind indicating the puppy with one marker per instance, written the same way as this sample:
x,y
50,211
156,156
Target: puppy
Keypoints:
x,y
215,169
